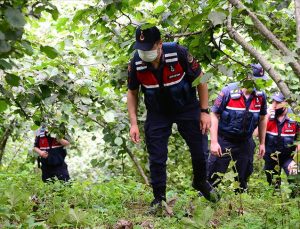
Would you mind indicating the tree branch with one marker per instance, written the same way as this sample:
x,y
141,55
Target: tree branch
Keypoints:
x,y
219,48
269,36
3,140
137,164
183,34
259,57
10,96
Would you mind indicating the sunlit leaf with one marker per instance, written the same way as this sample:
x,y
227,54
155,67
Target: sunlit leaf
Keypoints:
x,y
159,9
109,116
3,105
216,18
118,141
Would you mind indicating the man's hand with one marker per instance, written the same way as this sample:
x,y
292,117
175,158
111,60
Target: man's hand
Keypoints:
x,y
135,134
215,149
205,122
43,154
292,167
261,151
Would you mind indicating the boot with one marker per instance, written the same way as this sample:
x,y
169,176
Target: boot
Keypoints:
x,y
159,195
206,190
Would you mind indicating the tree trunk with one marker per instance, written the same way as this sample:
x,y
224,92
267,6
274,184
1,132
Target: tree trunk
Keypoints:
x,y
264,62
4,138
269,36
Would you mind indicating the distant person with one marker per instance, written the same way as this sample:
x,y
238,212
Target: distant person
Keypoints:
x,y
52,155
281,137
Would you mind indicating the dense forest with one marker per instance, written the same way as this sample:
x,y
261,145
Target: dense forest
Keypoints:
x,y
64,63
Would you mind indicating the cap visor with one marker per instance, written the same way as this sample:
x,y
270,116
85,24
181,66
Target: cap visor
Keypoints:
x,y
264,77
143,46
277,99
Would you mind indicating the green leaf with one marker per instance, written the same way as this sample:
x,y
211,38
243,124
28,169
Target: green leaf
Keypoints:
x,y
61,24
159,9
196,82
3,105
49,51
5,65
54,12
12,79
205,78
248,21
27,47
2,36
14,17
216,18
118,141
4,46
109,116
46,92
147,25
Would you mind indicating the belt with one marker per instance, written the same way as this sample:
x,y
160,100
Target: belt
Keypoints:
x,y
231,138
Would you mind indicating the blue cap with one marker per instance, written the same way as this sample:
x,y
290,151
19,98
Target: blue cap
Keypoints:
x,y
278,97
258,72
146,38
42,131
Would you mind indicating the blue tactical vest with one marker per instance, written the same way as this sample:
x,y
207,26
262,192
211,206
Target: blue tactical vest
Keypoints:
x,y
238,119
280,137
169,91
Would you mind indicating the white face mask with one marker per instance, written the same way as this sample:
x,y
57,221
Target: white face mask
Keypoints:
x,y
148,56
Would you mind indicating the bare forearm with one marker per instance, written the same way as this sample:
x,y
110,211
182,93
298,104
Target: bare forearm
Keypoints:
x,y
262,128
37,150
64,142
132,103
214,127
203,95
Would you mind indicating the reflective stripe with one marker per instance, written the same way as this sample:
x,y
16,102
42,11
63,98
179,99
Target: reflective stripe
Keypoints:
x,y
285,135
235,108
138,62
175,82
141,68
49,147
255,111
272,133
171,60
171,54
151,86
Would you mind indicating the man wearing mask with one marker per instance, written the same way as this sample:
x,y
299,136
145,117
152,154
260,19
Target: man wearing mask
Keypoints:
x,y
165,72
281,138
235,115
52,155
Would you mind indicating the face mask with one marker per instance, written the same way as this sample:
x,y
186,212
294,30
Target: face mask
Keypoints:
x,y
279,111
148,56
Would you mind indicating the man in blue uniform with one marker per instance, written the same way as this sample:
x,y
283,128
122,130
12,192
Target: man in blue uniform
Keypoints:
x,y
51,155
235,114
281,137
165,72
